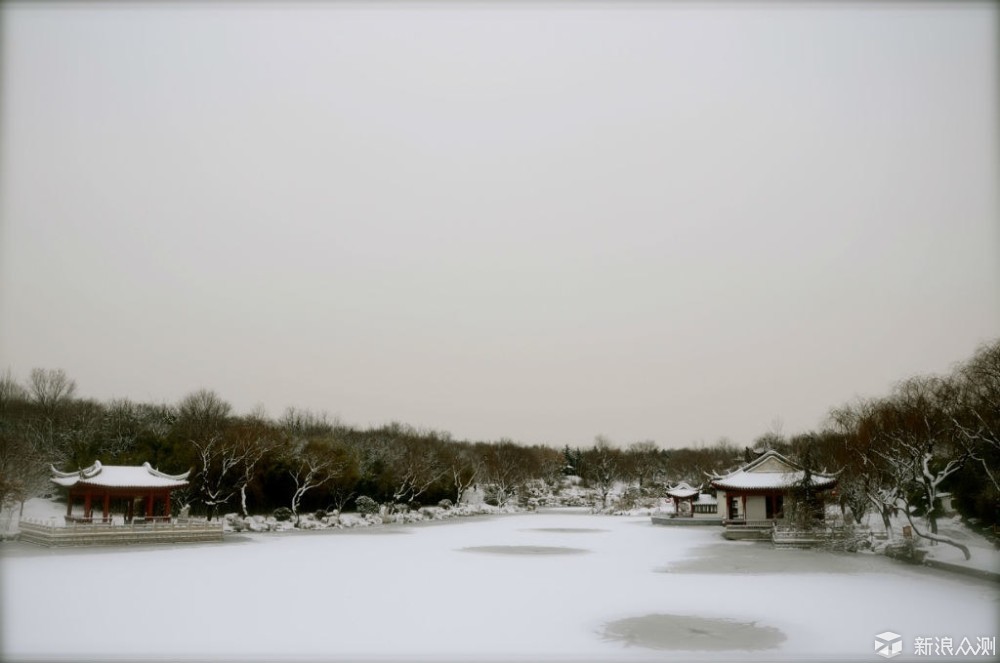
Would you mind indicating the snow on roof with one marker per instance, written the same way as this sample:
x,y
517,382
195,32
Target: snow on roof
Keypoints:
x,y
771,470
119,476
683,490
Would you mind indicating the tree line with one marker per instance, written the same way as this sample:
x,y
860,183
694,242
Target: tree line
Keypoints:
x,y
895,454
252,463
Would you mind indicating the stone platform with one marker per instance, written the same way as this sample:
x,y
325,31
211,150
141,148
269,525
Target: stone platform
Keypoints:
x,y
103,534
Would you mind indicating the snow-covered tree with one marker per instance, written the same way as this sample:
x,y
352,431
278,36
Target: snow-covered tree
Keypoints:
x,y
219,463
416,469
464,469
504,469
925,449
975,410
906,448
311,463
255,440
601,467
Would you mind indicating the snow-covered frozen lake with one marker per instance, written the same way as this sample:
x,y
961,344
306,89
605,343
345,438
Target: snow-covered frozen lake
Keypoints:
x,y
527,587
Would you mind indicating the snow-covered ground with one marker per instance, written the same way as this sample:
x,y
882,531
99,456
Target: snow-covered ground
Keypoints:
x,y
984,555
453,592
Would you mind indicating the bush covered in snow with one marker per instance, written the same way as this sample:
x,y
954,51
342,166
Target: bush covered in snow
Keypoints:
x,y
629,499
321,520
366,506
534,494
309,521
904,549
233,522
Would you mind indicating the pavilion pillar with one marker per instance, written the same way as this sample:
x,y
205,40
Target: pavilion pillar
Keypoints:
x,y
743,499
149,506
107,506
86,505
166,505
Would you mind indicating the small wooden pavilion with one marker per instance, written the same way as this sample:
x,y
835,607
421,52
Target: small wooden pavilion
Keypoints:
x,y
684,497
141,486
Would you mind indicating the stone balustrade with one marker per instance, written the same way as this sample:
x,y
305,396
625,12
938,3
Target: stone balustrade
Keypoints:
x,y
51,535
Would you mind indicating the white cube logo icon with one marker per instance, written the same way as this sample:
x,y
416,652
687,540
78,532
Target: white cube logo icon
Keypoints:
x,y
888,644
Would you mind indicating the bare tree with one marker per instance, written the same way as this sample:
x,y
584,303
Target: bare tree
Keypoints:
x,y
602,467
255,440
865,469
50,389
694,464
643,462
203,412
975,410
23,468
340,495
10,391
311,464
378,456
202,417
924,449
219,470
306,423
504,469
906,446
417,469
464,468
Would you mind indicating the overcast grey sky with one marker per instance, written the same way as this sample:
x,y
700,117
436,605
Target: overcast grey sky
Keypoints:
x,y
659,221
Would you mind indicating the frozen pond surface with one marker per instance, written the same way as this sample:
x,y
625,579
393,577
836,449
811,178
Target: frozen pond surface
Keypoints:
x,y
642,593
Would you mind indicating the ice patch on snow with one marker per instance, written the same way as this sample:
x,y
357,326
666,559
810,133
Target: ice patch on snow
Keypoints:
x,y
682,632
565,530
526,550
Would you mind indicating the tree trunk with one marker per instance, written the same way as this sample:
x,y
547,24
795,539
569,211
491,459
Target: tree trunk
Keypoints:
x,y
934,537
886,523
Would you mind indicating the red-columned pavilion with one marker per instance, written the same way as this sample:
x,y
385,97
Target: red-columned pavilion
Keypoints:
x,y
756,492
684,497
104,483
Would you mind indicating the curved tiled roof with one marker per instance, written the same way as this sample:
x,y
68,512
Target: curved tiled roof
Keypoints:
x,y
770,471
683,491
119,476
